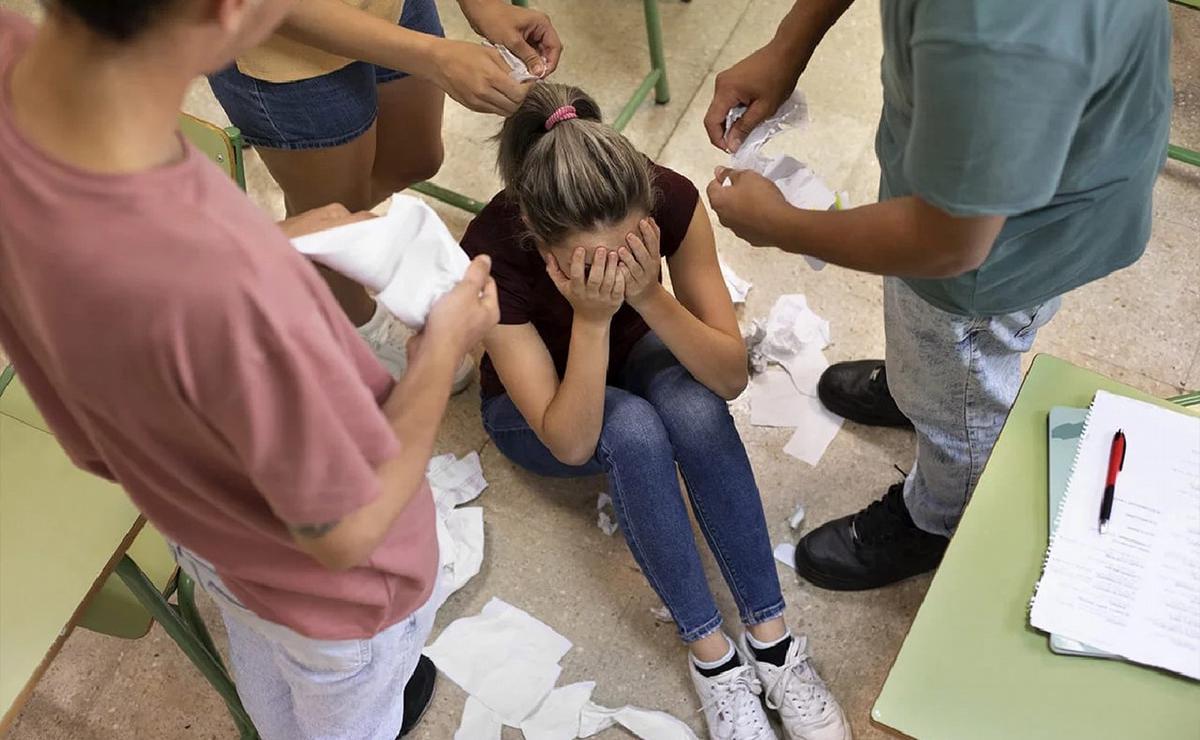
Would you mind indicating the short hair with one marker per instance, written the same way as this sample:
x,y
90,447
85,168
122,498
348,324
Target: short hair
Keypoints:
x,y
118,20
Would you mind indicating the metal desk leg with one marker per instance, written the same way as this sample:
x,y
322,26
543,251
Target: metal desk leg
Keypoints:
x,y
193,645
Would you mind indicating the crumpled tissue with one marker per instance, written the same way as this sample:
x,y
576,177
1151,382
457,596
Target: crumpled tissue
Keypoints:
x,y
503,657
647,724
558,716
798,183
459,530
519,70
606,517
793,337
408,257
738,287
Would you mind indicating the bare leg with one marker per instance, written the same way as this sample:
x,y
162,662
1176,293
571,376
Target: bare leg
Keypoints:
x,y
711,648
768,631
408,145
311,178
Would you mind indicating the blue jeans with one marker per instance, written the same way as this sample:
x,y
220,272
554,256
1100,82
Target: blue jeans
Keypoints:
x,y
955,377
658,416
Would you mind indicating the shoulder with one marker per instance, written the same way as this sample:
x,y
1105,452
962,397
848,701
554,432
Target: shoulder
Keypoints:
x,y
674,205
498,232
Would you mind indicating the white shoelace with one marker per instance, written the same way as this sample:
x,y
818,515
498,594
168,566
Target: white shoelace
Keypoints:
x,y
795,664
735,698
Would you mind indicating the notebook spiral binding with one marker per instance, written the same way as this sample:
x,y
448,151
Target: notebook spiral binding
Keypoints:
x,y
1063,504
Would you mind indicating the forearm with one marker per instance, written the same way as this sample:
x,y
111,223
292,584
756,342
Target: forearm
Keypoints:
x,y
572,422
338,28
716,359
803,28
888,238
415,409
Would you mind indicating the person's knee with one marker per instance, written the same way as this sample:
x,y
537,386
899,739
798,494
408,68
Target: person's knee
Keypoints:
x,y
418,166
632,426
693,408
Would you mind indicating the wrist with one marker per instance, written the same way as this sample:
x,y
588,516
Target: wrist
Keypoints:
x,y
650,298
596,326
428,56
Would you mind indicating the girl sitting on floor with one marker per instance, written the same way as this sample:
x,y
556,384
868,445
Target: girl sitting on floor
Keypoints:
x,y
597,368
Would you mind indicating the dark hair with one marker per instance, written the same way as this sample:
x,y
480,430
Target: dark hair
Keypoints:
x,y
579,175
118,20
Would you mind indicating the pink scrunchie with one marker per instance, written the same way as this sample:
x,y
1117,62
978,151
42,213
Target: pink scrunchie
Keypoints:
x,y
565,113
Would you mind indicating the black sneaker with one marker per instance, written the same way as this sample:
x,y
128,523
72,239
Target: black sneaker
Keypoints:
x,y
858,391
876,547
418,693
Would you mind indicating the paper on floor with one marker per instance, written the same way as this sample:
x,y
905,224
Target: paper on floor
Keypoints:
x,y
786,553
792,328
606,518
478,722
815,432
799,184
644,723
459,531
738,287
558,716
520,71
774,401
797,517
503,657
407,257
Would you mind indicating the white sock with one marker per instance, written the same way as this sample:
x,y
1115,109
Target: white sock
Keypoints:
x,y
764,645
709,665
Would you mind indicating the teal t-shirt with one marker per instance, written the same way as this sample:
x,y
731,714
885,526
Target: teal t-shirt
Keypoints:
x,y
1053,113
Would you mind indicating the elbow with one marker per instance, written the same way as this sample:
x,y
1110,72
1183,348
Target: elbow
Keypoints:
x,y
338,551
575,455
733,386
959,261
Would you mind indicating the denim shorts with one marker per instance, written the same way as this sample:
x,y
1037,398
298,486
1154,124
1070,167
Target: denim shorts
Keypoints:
x,y
319,112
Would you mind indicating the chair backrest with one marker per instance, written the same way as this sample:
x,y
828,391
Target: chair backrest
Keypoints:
x,y
223,146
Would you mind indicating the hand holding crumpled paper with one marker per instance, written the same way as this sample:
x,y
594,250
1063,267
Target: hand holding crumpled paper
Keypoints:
x,y
408,257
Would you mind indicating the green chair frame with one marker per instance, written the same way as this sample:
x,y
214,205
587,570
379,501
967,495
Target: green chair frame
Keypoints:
x,y
655,79
1187,156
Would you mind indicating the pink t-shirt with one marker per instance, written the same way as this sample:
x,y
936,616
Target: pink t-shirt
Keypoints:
x,y
176,343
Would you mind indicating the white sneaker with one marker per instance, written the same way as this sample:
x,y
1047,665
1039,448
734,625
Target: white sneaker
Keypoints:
x,y
381,335
731,704
806,708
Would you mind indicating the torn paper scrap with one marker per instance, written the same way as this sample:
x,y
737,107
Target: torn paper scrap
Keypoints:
x,y
519,70
797,517
805,369
774,401
478,722
662,614
460,542
786,553
503,657
814,433
558,716
606,517
753,337
647,724
800,185
454,481
738,288
793,327
407,257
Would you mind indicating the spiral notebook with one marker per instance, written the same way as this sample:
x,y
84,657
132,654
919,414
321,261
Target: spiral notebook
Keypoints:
x,y
1135,590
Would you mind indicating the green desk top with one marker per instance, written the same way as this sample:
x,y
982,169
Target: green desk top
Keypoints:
x,y
59,531
971,666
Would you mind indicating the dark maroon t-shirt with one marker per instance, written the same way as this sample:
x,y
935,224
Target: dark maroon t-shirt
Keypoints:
x,y
529,296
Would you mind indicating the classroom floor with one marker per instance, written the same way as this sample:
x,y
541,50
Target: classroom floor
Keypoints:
x,y
544,551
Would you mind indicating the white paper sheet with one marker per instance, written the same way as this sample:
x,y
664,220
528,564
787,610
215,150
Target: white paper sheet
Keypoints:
x,y
647,724
1134,590
814,434
774,401
456,481
785,553
799,184
478,722
459,531
558,716
504,657
408,257
738,288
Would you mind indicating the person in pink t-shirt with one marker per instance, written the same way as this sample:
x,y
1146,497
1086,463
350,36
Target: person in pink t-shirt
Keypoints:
x,y
177,344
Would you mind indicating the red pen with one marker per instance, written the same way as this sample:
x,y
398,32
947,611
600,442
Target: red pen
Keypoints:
x,y
1116,462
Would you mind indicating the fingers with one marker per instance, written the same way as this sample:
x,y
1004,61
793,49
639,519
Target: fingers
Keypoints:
x,y
758,112
531,56
556,274
622,278
578,269
596,275
478,273
717,193
612,262
723,100
650,236
491,301
550,46
640,253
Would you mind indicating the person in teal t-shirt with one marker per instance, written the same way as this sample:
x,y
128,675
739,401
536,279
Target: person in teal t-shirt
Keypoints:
x,y
1019,144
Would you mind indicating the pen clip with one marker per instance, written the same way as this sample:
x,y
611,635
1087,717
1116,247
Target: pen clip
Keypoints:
x,y
1124,448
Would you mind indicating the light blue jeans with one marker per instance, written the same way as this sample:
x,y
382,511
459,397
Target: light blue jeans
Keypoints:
x,y
298,688
955,377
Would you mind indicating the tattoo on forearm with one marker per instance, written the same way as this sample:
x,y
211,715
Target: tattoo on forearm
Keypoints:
x,y
313,531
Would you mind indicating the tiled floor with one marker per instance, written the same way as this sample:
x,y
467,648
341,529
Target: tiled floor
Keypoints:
x,y
544,552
